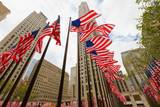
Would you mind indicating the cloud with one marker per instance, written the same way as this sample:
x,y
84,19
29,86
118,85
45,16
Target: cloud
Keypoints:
x,y
121,13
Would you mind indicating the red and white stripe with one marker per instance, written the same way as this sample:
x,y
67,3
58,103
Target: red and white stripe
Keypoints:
x,y
99,42
107,28
114,68
88,17
38,46
86,28
56,32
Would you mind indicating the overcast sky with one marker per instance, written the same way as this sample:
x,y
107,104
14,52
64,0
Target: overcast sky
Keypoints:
x,y
122,13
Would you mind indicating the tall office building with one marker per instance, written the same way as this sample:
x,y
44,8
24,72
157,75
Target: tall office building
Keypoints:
x,y
47,83
92,68
134,98
134,69
29,24
72,82
3,11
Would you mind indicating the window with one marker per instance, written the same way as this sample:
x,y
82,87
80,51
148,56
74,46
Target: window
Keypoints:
x,y
127,98
137,97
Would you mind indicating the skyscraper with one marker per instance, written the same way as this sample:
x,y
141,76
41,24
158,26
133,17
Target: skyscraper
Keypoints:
x,y
33,22
134,69
47,83
72,82
103,90
3,11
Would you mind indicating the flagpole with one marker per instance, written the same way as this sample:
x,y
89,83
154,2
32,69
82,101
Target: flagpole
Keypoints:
x,y
79,82
6,71
95,84
16,82
26,97
63,68
99,85
9,76
89,87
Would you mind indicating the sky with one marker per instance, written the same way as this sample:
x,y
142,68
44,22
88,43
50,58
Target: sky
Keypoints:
x,y
122,13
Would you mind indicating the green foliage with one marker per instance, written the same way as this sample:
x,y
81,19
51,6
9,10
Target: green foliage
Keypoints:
x,y
20,91
149,24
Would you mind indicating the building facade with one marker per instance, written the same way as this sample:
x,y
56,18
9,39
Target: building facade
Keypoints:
x,y
3,11
86,64
134,97
133,67
47,83
31,23
72,83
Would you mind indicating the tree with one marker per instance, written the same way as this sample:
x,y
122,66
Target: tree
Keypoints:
x,y
149,24
6,89
20,93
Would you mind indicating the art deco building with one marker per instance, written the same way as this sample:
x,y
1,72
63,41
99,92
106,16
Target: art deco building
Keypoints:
x,y
134,69
100,84
29,24
3,11
47,83
134,97
72,82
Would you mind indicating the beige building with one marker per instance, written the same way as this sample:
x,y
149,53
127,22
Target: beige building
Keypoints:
x,y
133,67
29,24
72,83
3,11
100,82
134,97
47,83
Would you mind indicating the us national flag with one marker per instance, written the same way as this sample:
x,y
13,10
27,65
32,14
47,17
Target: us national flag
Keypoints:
x,y
88,17
147,89
56,31
104,29
155,65
156,61
103,53
97,42
24,44
114,68
6,58
45,32
153,83
86,28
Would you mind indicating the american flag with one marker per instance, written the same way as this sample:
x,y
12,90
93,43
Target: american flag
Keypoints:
x,y
155,65
152,81
104,29
45,32
88,17
56,31
114,68
155,69
86,28
97,42
156,61
24,45
149,91
105,63
6,58
103,53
